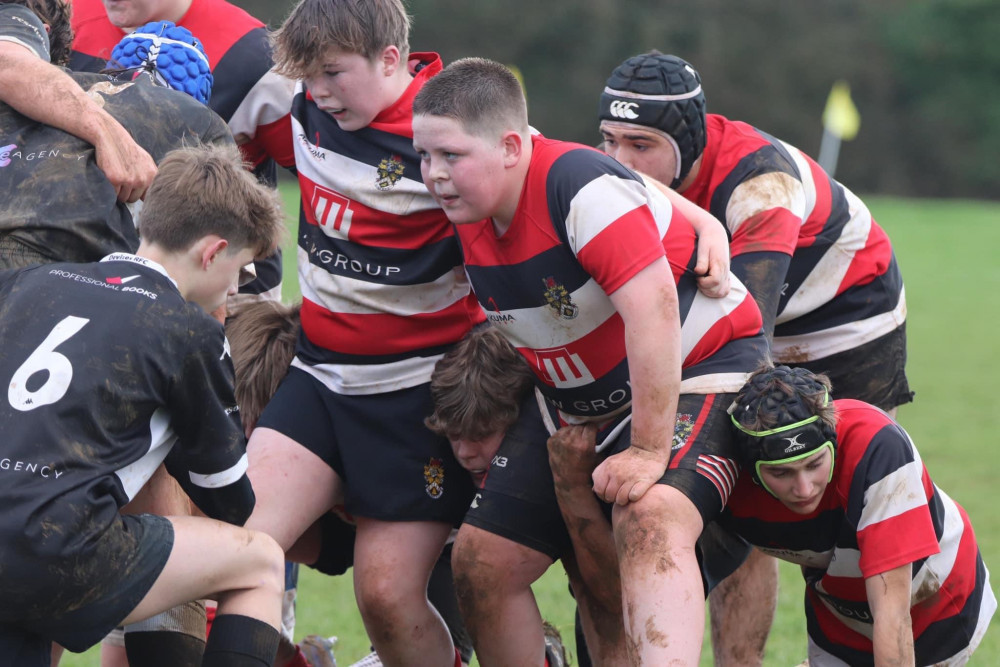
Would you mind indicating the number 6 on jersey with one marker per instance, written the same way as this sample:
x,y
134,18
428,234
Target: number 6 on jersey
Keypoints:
x,y
45,358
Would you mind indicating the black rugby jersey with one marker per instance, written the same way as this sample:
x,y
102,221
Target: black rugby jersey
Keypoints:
x,y
53,196
107,371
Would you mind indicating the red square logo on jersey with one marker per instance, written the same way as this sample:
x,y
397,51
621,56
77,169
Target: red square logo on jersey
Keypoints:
x,y
330,211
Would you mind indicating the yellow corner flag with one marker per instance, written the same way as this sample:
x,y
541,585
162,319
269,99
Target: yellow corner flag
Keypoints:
x,y
841,117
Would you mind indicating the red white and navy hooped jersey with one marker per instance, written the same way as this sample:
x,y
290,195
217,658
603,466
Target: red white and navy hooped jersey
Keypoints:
x,y
250,97
383,290
880,511
106,372
584,226
843,287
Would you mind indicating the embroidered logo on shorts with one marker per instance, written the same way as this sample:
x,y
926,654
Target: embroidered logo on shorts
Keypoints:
x,y
682,430
558,298
434,476
390,170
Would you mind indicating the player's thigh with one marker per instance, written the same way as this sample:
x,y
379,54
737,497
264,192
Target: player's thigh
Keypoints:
x,y
494,563
293,486
401,552
211,557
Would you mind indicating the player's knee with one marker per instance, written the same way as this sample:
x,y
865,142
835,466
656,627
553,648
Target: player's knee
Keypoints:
x,y
655,529
268,562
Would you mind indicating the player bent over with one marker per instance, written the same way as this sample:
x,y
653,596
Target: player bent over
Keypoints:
x,y
893,573
112,368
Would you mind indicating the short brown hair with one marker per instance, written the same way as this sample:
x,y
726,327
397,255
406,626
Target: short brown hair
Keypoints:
x,y
262,336
56,15
478,387
365,27
482,95
201,190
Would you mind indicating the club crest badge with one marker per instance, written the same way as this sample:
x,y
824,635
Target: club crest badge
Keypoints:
x,y
682,430
390,170
559,299
434,477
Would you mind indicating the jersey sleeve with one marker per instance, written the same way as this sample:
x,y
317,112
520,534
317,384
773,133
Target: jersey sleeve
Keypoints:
x,y
765,213
262,122
889,504
20,25
608,221
209,460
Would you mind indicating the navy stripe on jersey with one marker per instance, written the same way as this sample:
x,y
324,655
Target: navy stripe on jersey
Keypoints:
x,y
747,352
805,259
381,265
853,304
367,145
569,173
496,292
766,159
599,397
250,53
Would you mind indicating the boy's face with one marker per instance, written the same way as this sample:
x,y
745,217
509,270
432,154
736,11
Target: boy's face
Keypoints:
x,y
799,485
476,455
221,279
350,88
644,150
464,172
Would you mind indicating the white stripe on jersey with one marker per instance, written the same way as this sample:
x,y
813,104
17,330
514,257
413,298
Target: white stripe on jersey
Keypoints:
x,y
268,101
823,343
764,193
822,283
898,492
706,312
846,564
598,204
356,180
219,479
540,328
714,383
341,294
937,568
161,439
358,379
806,174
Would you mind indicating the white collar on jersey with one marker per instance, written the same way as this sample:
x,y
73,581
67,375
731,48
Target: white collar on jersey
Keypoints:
x,y
135,259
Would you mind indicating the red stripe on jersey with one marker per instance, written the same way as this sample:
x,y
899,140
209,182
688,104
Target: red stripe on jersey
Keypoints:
x,y
324,207
813,226
774,230
744,321
622,249
870,262
518,245
834,629
601,350
881,552
384,334
953,594
203,18
274,140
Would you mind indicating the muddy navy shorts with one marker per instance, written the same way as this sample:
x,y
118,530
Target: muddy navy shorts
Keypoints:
x,y
518,498
393,467
76,602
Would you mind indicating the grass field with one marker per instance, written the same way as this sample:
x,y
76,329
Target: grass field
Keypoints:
x,y
947,251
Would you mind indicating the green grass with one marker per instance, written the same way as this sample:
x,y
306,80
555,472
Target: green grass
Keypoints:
x,y
947,251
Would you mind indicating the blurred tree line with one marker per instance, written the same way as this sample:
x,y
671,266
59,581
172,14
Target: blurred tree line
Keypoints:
x,y
924,74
